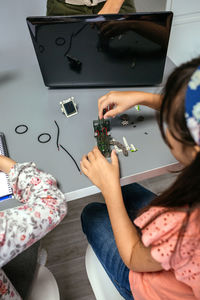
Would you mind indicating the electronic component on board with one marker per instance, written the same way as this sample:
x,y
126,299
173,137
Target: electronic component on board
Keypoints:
x,y
137,107
124,119
133,149
68,107
126,143
120,146
102,134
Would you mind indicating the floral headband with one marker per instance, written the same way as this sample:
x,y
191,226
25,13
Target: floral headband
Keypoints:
x,y
192,106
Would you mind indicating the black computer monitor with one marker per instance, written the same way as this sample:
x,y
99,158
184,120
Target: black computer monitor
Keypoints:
x,y
101,50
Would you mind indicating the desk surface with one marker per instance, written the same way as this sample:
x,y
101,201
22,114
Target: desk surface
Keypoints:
x,y
25,100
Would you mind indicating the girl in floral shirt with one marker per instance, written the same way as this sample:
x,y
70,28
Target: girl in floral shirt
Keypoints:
x,y
43,207
150,245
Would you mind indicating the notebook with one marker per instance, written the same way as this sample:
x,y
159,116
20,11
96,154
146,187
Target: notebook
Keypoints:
x,y
101,50
5,188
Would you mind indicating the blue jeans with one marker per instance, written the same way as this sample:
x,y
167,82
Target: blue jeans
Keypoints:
x,y
96,225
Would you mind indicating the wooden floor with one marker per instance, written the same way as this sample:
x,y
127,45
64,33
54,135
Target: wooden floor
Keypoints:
x,y
66,245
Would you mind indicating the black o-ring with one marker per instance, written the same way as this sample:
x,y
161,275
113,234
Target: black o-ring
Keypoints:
x,y
43,142
60,41
21,132
41,49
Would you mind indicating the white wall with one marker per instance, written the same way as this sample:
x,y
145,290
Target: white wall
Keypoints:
x,y
184,42
183,6
185,36
150,5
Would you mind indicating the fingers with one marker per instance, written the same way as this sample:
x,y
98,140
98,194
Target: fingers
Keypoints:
x,y
91,156
101,106
83,168
114,158
88,160
97,153
111,113
85,162
104,102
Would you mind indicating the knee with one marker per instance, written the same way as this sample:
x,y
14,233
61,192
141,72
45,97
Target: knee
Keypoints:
x,y
92,215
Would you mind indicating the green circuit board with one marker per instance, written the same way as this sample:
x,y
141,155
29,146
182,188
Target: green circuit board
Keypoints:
x,y
102,134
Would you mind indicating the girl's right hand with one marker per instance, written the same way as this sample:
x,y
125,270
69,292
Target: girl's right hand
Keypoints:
x,y
117,102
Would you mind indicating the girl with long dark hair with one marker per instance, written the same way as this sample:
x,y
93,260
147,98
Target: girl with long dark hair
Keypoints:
x,y
150,245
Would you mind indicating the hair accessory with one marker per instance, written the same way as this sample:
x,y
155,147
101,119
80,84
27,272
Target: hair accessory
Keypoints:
x,y
192,106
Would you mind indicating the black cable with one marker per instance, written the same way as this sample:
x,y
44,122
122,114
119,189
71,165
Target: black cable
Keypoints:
x,y
72,36
70,44
71,158
58,134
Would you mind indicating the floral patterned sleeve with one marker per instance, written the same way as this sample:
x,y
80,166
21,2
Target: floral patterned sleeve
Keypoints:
x,y
44,206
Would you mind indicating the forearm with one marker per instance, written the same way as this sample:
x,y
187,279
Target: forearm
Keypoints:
x,y
112,6
34,187
23,226
151,31
125,233
153,101
148,99
134,254
45,207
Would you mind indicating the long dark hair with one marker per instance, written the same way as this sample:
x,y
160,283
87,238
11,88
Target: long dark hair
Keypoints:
x,y
184,193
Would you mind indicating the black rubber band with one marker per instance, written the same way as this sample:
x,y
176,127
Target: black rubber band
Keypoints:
x,y
43,142
58,134
60,41
21,132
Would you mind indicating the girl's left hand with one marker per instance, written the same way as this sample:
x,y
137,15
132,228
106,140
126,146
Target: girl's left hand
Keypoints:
x,y
103,174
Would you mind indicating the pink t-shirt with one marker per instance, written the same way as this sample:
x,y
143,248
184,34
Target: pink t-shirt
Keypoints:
x,y
180,278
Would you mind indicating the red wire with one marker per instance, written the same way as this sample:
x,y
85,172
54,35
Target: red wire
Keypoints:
x,y
105,129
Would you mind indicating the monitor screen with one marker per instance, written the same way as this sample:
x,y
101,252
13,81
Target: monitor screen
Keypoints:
x,y
101,50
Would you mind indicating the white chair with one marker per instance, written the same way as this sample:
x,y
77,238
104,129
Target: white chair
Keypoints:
x,y
101,284
45,286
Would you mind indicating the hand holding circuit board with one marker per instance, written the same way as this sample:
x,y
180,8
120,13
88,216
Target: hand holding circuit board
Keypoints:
x,y
102,133
104,140
110,105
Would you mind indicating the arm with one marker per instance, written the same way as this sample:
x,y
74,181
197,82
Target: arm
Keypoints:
x,y
119,102
105,176
44,208
153,32
111,7
135,255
